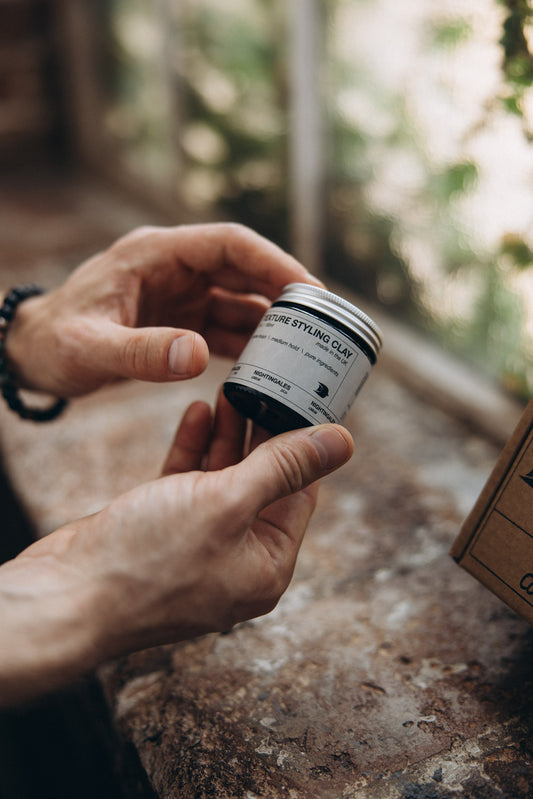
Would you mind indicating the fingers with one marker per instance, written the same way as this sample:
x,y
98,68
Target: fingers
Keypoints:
x,y
276,486
239,312
229,434
201,444
191,441
146,353
248,262
290,462
231,320
258,436
235,257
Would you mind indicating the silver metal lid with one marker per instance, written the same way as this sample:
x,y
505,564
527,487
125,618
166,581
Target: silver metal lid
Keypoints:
x,y
338,308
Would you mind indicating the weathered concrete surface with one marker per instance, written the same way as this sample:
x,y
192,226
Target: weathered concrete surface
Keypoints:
x,y
384,672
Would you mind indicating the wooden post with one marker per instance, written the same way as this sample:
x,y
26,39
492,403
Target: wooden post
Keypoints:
x,y
77,44
169,19
306,146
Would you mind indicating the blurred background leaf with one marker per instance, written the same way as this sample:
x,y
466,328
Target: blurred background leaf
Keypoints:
x,y
428,112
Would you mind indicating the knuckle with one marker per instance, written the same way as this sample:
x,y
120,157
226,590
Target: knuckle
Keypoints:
x,y
137,354
240,235
141,231
290,470
236,228
134,238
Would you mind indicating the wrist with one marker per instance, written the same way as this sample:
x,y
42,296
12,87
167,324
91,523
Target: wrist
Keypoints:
x,y
51,621
20,341
16,330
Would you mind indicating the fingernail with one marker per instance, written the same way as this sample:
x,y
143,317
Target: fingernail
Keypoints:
x,y
333,449
180,355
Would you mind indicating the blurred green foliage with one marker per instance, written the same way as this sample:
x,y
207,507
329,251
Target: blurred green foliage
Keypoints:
x,y
517,62
466,295
229,88
198,102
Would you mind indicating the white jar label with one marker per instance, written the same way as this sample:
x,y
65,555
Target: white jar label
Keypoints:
x,y
303,362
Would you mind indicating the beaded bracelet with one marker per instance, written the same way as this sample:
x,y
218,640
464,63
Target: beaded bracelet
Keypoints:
x,y
7,380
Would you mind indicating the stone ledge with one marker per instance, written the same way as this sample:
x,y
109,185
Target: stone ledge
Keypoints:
x,y
384,670
381,655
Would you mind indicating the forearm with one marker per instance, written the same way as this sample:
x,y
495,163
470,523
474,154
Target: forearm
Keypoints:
x,y
49,634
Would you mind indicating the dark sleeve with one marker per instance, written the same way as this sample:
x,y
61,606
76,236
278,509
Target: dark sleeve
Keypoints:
x,y
16,532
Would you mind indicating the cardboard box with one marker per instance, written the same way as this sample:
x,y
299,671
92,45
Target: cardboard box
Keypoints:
x,y
495,543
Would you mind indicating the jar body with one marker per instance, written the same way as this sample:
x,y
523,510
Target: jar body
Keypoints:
x,y
301,367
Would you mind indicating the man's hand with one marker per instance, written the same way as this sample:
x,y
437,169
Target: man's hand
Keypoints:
x,y
212,542
150,307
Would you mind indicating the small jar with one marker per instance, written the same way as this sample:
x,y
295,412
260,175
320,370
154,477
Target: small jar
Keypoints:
x,y
306,362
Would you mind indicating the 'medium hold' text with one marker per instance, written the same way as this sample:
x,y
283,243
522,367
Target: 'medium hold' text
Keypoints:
x,y
311,330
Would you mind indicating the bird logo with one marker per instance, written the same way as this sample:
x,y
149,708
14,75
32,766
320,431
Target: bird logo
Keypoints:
x,y
323,392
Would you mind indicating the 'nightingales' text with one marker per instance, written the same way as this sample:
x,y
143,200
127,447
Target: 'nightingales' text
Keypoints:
x,y
311,330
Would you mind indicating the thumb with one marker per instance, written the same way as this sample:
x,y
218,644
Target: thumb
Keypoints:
x,y
287,463
150,353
